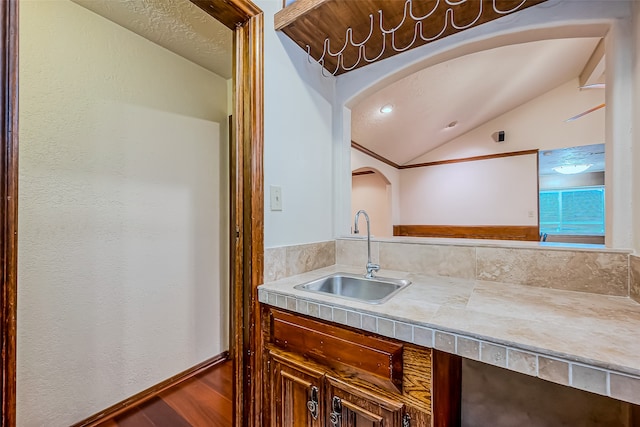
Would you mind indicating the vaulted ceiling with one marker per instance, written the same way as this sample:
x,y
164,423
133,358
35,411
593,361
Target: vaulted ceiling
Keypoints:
x,y
467,91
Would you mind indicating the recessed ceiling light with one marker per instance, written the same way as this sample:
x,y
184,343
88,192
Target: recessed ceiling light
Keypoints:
x,y
452,124
571,169
386,109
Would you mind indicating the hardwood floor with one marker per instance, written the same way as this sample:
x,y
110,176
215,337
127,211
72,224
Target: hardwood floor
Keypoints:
x,y
202,401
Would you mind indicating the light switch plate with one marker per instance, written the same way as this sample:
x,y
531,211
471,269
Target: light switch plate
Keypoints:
x,y
276,197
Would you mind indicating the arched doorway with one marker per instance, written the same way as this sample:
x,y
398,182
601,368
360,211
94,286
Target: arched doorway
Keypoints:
x,y
371,191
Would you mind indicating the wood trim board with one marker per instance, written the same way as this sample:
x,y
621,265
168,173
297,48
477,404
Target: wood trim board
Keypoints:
x,y
493,232
143,396
9,205
471,159
247,216
374,155
246,195
447,389
377,156
295,10
538,193
362,173
247,198
232,13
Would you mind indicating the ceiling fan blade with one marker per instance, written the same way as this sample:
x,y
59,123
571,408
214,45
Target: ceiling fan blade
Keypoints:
x,y
593,86
584,113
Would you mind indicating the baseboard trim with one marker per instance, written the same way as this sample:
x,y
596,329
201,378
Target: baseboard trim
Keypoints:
x,y
492,232
151,392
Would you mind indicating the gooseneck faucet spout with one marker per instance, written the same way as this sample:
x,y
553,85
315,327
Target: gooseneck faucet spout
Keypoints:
x,y
371,267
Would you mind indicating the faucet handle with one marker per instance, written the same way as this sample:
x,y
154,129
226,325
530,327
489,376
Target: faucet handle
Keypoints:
x,y
371,268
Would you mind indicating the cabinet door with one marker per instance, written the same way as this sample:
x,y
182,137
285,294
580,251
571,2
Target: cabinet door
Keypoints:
x,y
296,394
350,406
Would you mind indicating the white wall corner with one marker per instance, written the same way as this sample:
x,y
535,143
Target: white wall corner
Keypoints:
x,y
636,120
341,171
298,135
619,139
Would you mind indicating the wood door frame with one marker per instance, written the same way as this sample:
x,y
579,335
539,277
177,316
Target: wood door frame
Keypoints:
x,y
9,204
247,214
247,220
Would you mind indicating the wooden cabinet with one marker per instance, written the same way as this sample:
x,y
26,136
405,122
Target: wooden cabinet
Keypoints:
x,y
296,392
302,395
320,374
350,406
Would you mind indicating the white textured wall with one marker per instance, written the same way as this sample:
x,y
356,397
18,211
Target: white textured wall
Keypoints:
x,y
537,124
501,191
122,179
619,196
297,140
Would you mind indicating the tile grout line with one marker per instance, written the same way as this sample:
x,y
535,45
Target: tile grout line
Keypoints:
x,y
571,374
475,258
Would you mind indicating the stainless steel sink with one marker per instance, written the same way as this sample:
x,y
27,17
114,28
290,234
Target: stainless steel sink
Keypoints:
x,y
353,286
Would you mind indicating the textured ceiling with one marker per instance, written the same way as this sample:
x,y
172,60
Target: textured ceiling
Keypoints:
x,y
177,25
584,155
469,90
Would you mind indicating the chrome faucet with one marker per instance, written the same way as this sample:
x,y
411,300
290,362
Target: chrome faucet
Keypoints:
x,y
371,267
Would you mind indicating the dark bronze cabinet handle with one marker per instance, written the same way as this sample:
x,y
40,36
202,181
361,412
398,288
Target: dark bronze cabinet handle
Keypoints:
x,y
312,404
336,411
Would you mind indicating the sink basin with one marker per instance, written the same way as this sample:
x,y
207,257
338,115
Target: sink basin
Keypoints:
x,y
353,286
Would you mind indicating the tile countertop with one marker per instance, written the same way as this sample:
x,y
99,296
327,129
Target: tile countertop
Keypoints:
x,y
582,340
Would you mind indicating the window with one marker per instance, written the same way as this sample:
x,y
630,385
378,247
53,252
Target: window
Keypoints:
x,y
577,211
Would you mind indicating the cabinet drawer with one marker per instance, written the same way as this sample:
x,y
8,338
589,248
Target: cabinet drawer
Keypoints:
x,y
372,358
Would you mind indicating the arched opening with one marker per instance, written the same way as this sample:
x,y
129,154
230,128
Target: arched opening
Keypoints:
x,y
371,191
567,22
